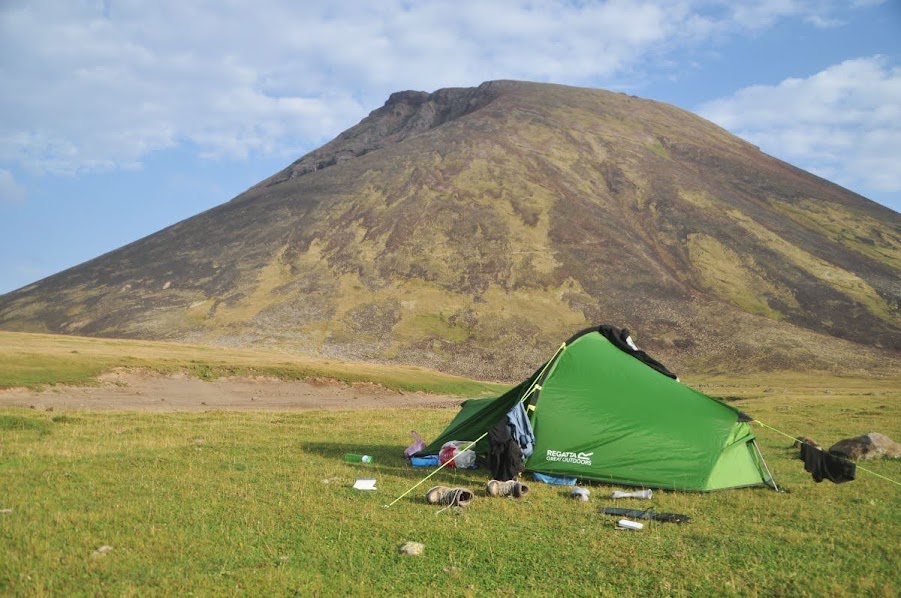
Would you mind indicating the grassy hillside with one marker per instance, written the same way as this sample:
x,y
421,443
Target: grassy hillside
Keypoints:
x,y
262,504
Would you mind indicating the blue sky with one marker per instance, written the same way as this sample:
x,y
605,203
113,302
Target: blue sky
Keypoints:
x,y
119,118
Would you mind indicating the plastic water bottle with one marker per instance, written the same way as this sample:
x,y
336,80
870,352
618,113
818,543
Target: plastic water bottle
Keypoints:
x,y
352,458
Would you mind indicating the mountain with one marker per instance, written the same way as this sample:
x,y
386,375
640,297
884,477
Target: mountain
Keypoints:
x,y
473,230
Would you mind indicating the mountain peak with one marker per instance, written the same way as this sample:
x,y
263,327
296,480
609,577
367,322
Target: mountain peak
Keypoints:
x,y
404,114
471,229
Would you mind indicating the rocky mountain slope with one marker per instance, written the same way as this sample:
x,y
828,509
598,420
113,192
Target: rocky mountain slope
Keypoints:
x,y
473,230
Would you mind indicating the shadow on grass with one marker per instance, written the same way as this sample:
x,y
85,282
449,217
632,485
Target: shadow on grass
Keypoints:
x,y
388,458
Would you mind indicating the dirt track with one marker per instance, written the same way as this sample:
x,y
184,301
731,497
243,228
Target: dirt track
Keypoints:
x,y
144,392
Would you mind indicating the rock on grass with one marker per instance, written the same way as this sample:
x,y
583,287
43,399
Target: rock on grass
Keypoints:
x,y
412,549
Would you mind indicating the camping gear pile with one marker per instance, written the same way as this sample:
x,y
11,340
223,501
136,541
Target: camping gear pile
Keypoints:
x,y
602,410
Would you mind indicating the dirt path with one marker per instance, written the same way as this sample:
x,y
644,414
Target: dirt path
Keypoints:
x,y
130,391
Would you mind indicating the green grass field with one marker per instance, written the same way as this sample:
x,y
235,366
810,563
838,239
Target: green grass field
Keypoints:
x,y
39,360
261,503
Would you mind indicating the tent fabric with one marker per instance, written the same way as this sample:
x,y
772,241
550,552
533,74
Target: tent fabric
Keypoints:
x,y
602,413
477,415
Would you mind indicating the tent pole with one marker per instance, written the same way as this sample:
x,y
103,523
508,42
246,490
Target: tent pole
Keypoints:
x,y
535,385
765,466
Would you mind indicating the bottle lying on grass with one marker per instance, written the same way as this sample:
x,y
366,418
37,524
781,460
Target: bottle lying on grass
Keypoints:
x,y
353,458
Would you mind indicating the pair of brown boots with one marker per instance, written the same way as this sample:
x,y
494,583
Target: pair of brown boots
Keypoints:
x,y
460,497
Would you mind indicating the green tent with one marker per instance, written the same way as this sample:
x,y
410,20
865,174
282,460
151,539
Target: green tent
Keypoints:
x,y
603,410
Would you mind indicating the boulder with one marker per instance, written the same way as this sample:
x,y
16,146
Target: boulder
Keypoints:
x,y
869,446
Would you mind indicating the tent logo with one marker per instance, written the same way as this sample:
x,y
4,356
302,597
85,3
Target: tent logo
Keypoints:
x,y
569,457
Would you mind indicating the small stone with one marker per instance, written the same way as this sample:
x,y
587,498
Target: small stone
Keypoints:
x,y
412,549
806,440
580,494
100,552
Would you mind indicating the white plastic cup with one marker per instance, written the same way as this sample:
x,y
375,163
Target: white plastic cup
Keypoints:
x,y
637,494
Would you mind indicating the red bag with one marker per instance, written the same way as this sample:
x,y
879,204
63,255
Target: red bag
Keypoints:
x,y
454,452
447,454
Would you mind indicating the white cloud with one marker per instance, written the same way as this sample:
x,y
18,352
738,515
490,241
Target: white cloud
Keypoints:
x,y
99,85
824,22
757,15
843,123
92,93
10,190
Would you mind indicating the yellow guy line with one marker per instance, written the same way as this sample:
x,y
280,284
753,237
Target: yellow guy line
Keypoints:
x,y
849,460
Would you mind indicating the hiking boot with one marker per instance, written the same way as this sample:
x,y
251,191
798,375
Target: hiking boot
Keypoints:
x,y
512,488
455,497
